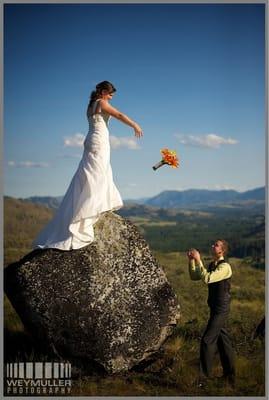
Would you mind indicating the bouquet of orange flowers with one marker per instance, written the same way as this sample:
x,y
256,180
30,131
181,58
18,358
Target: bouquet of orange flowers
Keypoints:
x,y
169,157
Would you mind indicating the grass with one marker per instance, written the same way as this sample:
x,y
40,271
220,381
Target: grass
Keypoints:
x,y
174,373
141,221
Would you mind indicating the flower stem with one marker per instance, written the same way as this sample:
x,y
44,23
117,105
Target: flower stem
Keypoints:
x,y
159,164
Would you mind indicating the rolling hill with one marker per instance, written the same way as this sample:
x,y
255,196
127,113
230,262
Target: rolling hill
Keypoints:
x,y
195,198
189,199
165,229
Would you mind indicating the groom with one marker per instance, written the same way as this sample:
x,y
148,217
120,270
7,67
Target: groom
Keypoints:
x,y
217,277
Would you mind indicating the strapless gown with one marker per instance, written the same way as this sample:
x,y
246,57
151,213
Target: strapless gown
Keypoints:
x,y
91,192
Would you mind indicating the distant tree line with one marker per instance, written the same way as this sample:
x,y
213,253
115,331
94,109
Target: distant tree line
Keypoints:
x,y
202,233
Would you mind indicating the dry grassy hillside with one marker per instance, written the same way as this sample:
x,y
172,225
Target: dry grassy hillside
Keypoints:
x,y
175,371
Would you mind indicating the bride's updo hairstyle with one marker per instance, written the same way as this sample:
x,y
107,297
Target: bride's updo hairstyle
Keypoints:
x,y
105,85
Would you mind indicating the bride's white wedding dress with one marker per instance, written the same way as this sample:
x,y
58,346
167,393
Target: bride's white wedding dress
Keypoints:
x,y
90,193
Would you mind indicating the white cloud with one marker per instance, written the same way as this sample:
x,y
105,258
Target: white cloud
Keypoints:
x,y
124,142
74,141
224,187
209,141
116,142
28,164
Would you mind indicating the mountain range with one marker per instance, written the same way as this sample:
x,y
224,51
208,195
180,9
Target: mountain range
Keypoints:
x,y
187,199
194,198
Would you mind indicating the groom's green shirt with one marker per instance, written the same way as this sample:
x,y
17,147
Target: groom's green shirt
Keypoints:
x,y
198,271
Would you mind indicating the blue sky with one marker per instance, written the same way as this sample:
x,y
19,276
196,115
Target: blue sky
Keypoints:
x,y
192,75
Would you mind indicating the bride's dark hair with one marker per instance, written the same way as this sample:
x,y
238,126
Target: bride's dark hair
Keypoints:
x,y
105,85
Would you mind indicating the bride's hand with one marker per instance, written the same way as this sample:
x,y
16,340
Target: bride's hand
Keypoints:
x,y
138,131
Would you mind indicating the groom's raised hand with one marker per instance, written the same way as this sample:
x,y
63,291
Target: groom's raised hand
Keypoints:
x,y
194,254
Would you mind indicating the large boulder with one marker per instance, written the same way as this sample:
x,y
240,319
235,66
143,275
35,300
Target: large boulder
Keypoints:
x,y
109,302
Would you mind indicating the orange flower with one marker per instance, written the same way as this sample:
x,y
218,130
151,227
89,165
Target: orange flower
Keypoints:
x,y
169,157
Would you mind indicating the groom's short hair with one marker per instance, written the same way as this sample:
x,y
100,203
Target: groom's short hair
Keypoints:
x,y
225,246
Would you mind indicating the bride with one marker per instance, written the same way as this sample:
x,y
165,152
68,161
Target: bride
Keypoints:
x,y
92,190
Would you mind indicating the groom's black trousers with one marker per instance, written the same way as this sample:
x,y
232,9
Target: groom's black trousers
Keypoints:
x,y
216,338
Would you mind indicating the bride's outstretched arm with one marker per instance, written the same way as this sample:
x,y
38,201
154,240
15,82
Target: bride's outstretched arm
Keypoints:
x,y
122,117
